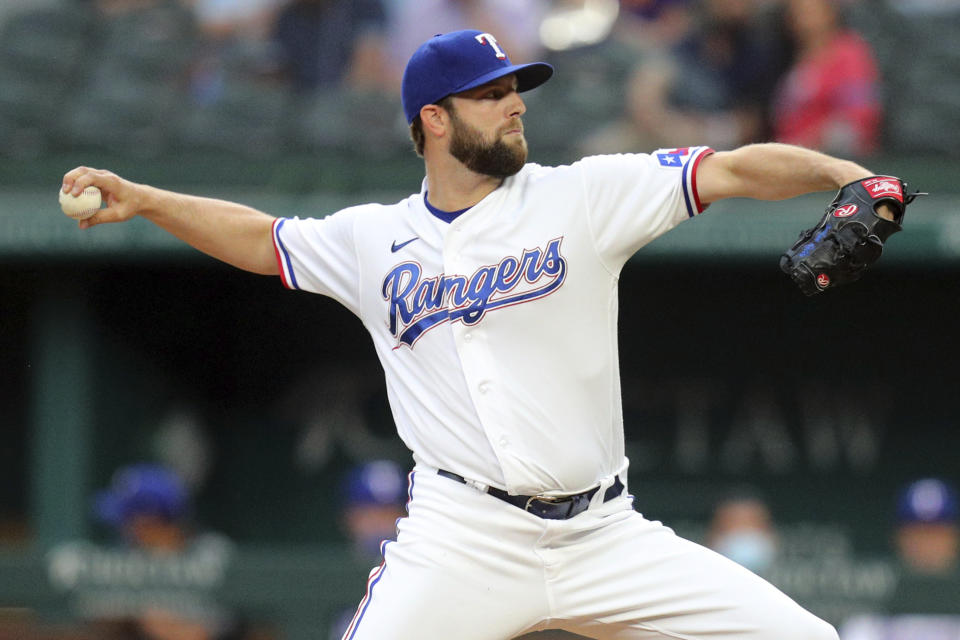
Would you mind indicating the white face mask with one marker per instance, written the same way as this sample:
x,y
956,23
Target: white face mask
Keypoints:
x,y
752,549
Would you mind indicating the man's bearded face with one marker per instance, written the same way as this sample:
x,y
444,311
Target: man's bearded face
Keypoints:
x,y
499,158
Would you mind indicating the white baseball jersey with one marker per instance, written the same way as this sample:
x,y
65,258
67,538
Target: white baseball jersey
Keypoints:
x,y
498,335
497,331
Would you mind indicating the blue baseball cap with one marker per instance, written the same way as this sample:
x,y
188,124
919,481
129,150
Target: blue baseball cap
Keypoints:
x,y
927,500
454,62
375,483
141,489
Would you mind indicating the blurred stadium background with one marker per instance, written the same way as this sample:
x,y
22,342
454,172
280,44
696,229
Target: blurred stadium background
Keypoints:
x,y
120,345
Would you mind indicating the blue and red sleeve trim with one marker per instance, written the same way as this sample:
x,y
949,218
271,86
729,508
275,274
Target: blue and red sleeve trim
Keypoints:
x,y
284,263
689,178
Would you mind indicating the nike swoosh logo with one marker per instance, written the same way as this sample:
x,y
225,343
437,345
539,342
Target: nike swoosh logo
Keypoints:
x,y
396,247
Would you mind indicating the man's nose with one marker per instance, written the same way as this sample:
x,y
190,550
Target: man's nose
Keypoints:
x,y
517,105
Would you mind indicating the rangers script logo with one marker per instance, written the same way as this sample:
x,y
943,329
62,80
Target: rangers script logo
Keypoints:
x,y
417,304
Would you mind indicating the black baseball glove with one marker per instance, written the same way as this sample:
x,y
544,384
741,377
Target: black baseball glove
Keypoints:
x,y
849,237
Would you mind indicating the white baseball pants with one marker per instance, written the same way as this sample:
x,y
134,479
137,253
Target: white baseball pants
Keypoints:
x,y
467,566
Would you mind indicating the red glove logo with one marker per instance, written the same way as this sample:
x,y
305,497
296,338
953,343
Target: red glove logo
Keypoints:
x,y
883,187
845,211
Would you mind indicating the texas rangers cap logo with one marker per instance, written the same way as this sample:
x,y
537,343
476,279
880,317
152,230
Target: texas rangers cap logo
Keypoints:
x,y
846,211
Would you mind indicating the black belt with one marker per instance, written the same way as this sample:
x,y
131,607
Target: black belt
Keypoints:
x,y
547,507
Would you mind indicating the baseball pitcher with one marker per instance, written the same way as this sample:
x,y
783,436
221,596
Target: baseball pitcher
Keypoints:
x,y
491,298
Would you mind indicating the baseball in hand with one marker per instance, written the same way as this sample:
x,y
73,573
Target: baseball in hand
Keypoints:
x,y
83,206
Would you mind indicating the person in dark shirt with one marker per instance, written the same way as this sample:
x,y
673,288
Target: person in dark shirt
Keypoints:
x,y
323,43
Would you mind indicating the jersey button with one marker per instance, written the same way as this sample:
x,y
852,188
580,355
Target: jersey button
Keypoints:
x,y
467,337
503,442
484,387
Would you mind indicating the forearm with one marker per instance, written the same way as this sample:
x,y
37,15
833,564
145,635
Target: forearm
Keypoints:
x,y
773,171
230,232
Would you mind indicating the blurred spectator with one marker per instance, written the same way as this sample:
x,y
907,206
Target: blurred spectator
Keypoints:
x,y
146,505
516,23
926,602
741,529
830,98
326,43
928,527
709,85
653,25
927,539
235,42
155,583
373,498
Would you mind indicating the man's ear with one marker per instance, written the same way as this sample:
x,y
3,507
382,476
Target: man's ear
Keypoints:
x,y
434,119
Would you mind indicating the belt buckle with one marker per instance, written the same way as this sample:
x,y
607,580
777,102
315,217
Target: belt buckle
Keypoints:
x,y
550,499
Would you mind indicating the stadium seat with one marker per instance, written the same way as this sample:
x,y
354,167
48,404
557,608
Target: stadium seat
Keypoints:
x,y
42,63
350,122
244,118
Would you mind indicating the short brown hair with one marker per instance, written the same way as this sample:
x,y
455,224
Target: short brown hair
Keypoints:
x,y
416,127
